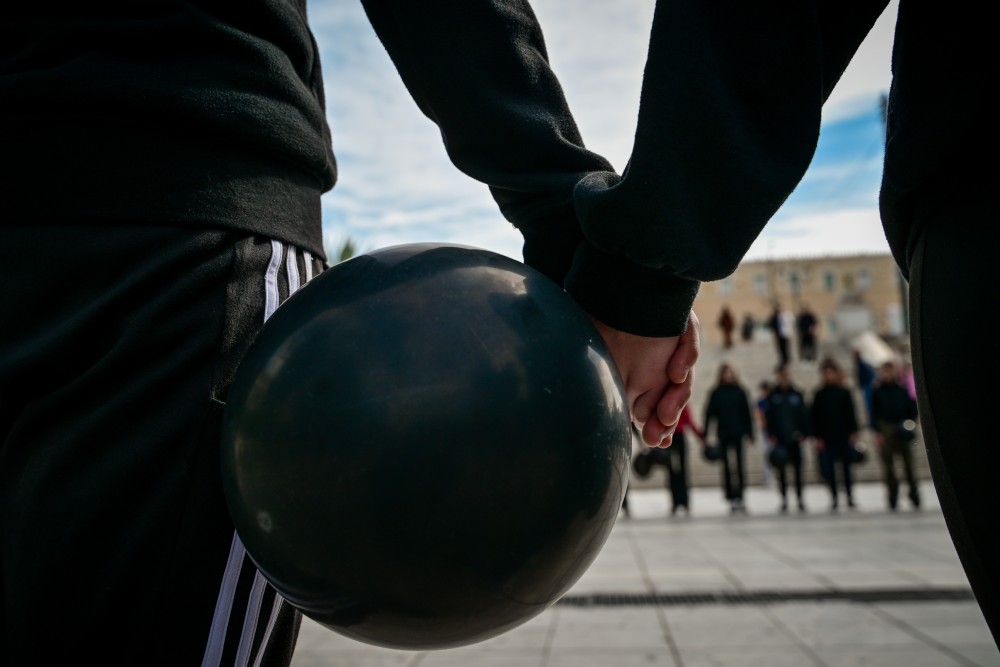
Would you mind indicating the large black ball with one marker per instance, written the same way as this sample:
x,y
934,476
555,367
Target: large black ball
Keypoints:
x,y
425,446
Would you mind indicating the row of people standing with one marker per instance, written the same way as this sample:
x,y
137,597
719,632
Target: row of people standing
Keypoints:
x,y
786,419
782,415
831,420
785,326
802,326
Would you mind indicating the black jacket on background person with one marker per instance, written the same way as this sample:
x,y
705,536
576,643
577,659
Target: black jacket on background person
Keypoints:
x,y
892,403
729,407
832,414
787,415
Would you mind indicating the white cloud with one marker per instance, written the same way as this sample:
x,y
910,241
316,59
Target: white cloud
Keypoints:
x,y
602,85
832,233
395,181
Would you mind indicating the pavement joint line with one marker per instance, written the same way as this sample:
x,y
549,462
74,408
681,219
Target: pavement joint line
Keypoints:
x,y
866,596
794,637
668,637
930,641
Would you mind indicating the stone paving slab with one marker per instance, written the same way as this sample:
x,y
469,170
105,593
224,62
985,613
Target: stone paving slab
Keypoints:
x,y
722,564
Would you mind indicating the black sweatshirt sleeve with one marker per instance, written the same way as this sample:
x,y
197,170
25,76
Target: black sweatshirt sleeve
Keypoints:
x,y
728,123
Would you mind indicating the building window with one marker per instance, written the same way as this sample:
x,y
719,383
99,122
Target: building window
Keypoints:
x,y
830,281
795,283
726,286
894,324
864,279
760,283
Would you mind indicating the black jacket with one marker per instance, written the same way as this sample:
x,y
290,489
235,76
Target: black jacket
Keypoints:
x,y
832,414
171,112
891,403
787,415
728,406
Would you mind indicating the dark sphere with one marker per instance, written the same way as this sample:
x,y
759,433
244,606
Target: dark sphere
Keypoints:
x,y
426,446
778,456
712,451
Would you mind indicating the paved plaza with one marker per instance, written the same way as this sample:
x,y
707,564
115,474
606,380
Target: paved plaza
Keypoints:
x,y
864,587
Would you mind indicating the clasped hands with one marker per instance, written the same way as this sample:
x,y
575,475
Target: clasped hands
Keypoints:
x,y
658,374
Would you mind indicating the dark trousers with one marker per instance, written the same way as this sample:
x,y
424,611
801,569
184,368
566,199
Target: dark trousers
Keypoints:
x,y
835,455
952,353
677,472
891,451
795,463
807,348
118,346
732,469
783,352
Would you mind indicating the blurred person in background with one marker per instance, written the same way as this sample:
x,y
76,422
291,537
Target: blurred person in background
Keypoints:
x,y
894,413
787,419
864,376
835,428
728,416
760,425
727,324
806,325
781,323
675,458
747,328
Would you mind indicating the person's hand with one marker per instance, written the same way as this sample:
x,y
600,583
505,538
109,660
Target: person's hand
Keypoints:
x,y
658,374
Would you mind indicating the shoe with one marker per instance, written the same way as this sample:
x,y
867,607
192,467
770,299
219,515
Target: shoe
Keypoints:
x,y
834,506
802,506
850,503
784,506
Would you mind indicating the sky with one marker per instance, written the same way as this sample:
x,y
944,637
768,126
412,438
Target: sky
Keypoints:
x,y
396,184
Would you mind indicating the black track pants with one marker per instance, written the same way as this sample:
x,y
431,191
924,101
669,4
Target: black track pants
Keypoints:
x,y
953,281
117,345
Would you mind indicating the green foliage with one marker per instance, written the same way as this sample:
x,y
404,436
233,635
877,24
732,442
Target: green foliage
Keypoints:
x,y
345,249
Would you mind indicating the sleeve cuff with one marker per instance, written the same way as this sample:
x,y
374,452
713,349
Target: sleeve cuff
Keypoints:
x,y
630,297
